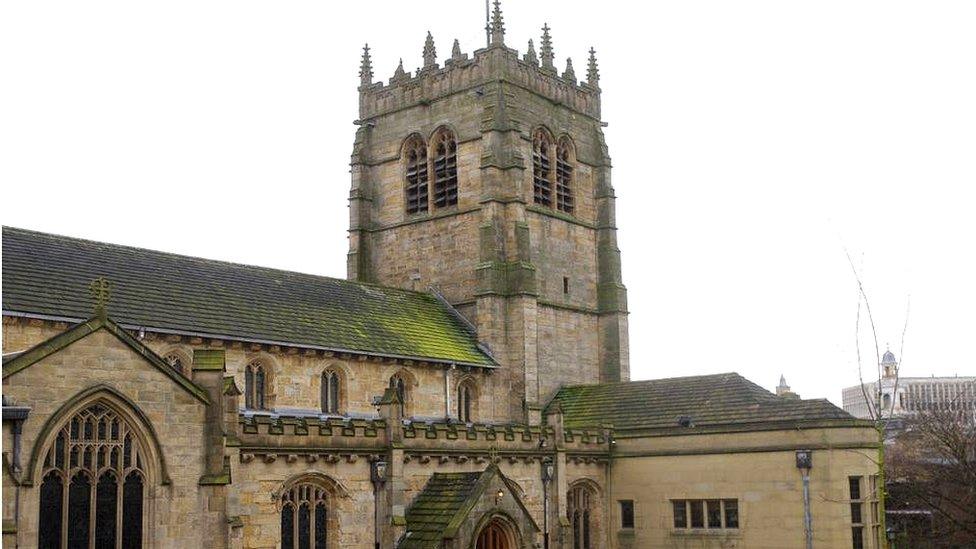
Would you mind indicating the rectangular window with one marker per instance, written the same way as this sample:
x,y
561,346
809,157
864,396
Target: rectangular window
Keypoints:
x,y
565,284
680,514
875,514
626,513
857,535
731,513
697,513
714,514
855,486
856,513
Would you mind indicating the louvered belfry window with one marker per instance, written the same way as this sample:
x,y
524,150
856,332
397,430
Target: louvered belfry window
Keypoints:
x,y
417,189
92,487
255,379
445,170
564,177
304,517
542,169
330,392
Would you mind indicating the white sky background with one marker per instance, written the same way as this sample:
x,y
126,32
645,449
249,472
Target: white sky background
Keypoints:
x,y
752,141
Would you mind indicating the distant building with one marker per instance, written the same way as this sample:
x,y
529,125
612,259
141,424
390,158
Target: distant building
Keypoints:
x,y
907,396
783,389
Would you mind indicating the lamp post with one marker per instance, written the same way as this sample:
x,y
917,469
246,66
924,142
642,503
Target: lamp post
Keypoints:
x,y
547,470
804,462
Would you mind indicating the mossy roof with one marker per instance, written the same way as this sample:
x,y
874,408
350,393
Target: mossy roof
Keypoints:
x,y
709,401
49,275
432,510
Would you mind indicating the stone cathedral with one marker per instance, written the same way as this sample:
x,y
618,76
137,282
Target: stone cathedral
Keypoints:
x,y
467,386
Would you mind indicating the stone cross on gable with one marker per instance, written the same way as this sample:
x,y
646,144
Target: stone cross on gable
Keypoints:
x,y
101,292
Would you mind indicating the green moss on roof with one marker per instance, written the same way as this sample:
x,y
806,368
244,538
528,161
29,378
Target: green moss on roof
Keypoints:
x,y
46,274
710,400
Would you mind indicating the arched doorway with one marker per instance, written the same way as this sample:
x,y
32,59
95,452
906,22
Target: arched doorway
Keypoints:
x,y
496,535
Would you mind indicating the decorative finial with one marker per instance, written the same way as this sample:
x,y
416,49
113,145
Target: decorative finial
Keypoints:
x,y
399,73
530,54
430,53
546,49
592,72
366,68
497,27
101,292
569,74
456,50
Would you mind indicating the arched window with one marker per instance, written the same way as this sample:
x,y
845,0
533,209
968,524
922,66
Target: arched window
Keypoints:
x,y
580,510
415,153
177,362
445,169
542,168
397,383
92,490
465,401
330,392
564,176
255,386
305,517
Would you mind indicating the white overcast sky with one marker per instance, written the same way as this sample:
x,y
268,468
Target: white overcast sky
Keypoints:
x,y
752,142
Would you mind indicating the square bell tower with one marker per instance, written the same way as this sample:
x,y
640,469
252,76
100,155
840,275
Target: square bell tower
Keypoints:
x,y
487,180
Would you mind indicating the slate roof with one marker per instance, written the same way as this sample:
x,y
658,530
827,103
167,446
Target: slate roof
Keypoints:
x,y
48,275
432,510
710,401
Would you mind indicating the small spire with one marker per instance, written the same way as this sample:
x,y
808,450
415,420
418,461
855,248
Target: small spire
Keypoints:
x,y
569,74
546,49
366,68
592,72
497,26
456,50
530,54
400,74
430,52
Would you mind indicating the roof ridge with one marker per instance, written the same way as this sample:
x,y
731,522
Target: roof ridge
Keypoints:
x,y
678,378
127,247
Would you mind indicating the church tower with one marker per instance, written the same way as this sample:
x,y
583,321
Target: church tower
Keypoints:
x,y
487,180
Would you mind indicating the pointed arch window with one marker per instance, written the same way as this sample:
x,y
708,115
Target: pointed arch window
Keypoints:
x,y
330,392
92,492
417,190
465,405
397,383
542,168
445,169
305,517
255,384
579,512
564,176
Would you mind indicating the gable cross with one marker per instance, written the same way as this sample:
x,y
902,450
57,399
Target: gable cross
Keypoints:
x,y
101,291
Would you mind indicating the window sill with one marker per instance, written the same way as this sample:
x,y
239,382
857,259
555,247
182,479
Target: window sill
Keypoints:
x,y
706,533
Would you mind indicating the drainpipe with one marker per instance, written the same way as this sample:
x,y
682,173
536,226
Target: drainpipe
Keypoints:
x,y
16,415
804,462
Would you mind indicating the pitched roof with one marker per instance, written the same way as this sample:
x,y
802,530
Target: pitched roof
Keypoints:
x,y
48,275
445,503
16,362
710,400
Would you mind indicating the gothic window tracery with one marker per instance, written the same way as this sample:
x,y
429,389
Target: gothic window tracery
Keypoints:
x,y
305,517
580,513
465,397
417,191
330,392
255,386
542,168
564,177
93,484
445,169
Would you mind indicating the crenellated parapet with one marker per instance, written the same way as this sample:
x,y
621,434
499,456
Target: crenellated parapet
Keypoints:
x,y
497,62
